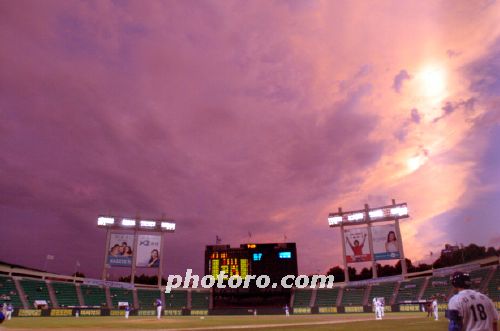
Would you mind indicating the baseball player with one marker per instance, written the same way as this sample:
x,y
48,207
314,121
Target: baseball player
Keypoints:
x,y
469,310
158,304
435,308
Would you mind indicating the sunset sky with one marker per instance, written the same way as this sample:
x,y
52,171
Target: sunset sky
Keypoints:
x,y
245,116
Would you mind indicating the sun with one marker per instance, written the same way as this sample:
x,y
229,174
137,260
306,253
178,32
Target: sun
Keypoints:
x,y
415,162
432,81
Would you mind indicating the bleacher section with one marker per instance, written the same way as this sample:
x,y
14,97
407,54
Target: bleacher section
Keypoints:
x,y
353,296
478,277
438,287
176,299
409,290
8,292
121,295
327,297
493,288
147,298
93,295
383,290
35,290
200,299
302,298
65,294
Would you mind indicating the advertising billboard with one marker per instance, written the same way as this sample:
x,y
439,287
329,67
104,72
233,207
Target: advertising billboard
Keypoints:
x,y
148,251
120,250
356,244
385,242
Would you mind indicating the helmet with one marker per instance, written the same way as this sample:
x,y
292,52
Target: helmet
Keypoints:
x,y
460,280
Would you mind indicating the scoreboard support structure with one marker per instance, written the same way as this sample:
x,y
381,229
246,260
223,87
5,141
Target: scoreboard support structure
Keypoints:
x,y
135,227
363,220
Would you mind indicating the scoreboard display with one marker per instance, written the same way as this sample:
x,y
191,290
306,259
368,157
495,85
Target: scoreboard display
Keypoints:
x,y
275,260
231,263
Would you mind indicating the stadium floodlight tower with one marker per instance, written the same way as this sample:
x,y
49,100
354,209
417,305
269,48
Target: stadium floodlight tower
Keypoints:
x,y
384,241
147,247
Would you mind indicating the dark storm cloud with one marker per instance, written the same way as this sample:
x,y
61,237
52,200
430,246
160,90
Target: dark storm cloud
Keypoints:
x,y
399,80
126,118
415,116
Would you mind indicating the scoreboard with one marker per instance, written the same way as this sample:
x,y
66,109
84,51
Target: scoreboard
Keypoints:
x,y
233,262
274,259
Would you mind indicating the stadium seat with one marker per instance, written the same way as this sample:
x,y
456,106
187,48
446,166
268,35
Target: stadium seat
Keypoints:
x,y
93,295
200,299
353,296
8,292
409,290
147,298
176,299
35,290
494,286
66,294
383,290
327,297
438,287
121,295
302,298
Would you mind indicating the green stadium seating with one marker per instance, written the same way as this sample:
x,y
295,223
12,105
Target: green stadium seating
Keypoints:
x,y
8,292
383,290
327,297
147,298
176,299
302,298
353,296
121,295
35,290
93,295
478,277
200,299
66,294
494,286
409,290
438,287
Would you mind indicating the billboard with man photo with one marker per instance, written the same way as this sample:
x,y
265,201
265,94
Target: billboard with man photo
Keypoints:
x,y
385,242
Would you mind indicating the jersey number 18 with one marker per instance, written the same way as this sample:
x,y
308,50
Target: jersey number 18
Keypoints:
x,y
480,310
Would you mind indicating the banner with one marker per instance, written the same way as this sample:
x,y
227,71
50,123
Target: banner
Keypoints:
x,y
120,250
148,251
385,242
108,283
356,244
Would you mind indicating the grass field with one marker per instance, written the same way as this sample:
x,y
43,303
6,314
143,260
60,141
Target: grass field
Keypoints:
x,y
337,322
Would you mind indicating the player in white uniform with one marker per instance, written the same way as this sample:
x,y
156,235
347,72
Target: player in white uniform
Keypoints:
x,y
374,305
435,308
469,310
158,304
127,311
287,311
378,309
9,309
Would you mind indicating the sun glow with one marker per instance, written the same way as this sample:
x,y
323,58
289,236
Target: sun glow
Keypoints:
x,y
432,82
416,162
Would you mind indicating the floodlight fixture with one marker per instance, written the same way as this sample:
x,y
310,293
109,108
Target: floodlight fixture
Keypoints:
x,y
148,224
128,222
356,217
168,226
105,221
334,220
377,213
